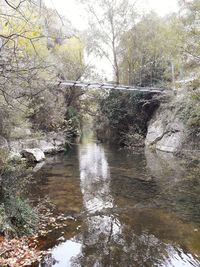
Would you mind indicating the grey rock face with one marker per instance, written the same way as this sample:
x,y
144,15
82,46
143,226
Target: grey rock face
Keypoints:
x,y
165,135
166,131
33,155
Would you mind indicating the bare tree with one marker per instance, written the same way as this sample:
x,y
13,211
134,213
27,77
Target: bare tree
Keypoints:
x,y
108,21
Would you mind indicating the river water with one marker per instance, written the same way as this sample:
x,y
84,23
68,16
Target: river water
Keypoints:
x,y
138,210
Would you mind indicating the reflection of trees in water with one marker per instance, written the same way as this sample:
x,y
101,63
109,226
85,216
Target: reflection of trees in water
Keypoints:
x,y
179,183
48,261
95,186
126,249
116,236
95,178
110,239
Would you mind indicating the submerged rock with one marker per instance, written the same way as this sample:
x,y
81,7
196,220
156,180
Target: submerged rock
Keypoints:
x,y
33,155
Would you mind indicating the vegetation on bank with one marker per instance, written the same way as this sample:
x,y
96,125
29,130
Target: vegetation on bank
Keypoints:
x,y
125,115
22,222
188,110
17,216
38,49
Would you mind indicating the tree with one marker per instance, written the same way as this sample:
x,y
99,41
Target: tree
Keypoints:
x,y
149,50
37,50
108,21
190,18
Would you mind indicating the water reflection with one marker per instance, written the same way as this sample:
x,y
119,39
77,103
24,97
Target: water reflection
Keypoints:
x,y
62,255
95,178
99,228
129,210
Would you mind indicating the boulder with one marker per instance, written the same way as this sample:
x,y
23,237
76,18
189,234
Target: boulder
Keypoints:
x,y
47,146
165,135
166,130
171,142
170,130
33,155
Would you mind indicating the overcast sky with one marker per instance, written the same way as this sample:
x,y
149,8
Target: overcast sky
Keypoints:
x,y
72,11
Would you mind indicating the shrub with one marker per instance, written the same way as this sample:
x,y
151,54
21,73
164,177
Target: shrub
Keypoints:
x,y
188,110
127,115
18,217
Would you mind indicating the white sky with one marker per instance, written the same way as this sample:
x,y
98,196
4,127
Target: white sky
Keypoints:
x,y
72,11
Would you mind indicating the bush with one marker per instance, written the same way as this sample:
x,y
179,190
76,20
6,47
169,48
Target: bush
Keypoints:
x,y
133,139
17,216
188,110
47,111
127,115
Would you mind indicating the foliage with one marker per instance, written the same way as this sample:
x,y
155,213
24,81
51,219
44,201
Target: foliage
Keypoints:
x,y
108,21
127,114
154,51
188,110
18,217
70,57
37,50
191,29
149,50
47,111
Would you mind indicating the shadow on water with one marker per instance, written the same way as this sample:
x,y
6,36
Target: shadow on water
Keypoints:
x,y
140,210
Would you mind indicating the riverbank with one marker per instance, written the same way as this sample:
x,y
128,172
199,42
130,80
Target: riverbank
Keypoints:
x,y
52,142
175,126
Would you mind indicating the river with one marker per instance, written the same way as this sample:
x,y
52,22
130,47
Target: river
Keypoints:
x,y
138,210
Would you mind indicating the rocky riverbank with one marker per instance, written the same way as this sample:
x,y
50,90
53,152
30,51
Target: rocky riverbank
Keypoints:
x,y
34,148
175,126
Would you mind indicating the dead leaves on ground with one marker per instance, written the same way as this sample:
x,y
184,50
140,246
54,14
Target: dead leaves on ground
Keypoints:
x,y
18,252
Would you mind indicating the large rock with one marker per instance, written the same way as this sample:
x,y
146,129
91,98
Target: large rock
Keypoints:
x,y
165,135
33,155
167,130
